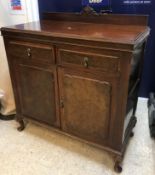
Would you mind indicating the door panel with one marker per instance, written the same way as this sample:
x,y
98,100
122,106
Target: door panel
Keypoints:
x,y
86,111
38,97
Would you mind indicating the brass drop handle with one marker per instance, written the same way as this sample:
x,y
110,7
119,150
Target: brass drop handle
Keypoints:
x,y
29,52
61,103
86,62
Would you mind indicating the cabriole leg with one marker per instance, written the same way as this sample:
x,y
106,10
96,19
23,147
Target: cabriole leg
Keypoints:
x,y
118,164
22,125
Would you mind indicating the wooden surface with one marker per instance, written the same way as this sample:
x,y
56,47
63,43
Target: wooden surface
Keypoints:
x,y
38,96
86,106
128,34
90,17
81,77
91,61
38,52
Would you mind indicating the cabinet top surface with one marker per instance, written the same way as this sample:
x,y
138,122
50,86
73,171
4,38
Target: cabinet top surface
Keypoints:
x,y
115,33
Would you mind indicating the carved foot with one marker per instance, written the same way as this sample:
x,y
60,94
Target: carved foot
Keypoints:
x,y
118,165
134,121
132,134
22,125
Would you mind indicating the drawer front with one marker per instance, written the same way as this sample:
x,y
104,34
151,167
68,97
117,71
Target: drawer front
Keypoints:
x,y
89,60
32,51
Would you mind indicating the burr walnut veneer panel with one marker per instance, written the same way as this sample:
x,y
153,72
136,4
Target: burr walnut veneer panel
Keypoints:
x,y
86,111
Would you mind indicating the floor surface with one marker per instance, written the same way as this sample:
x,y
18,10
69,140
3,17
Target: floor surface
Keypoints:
x,y
39,151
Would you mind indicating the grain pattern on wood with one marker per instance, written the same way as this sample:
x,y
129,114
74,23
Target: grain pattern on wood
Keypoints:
x,y
32,51
37,93
126,34
100,18
89,60
86,107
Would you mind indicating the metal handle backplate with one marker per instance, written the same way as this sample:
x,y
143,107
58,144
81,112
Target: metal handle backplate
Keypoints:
x,y
86,62
61,103
29,52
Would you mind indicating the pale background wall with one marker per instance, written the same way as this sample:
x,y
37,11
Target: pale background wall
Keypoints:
x,y
6,19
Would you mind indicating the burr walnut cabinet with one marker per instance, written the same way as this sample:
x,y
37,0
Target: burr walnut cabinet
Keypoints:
x,y
79,73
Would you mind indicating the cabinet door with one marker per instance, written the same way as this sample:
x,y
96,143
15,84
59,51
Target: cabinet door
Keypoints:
x,y
86,104
37,92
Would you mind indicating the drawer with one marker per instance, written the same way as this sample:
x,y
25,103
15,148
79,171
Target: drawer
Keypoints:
x,y
32,51
89,60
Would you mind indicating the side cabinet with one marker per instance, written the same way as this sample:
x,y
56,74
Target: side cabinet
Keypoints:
x,y
34,81
79,73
